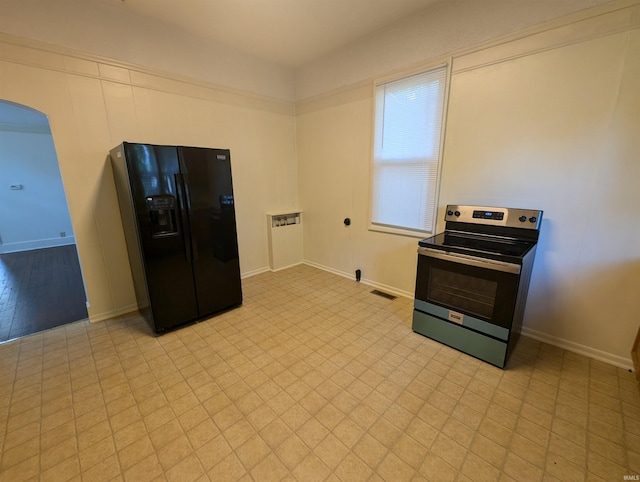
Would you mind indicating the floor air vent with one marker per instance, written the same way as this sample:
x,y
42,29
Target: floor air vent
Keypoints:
x,y
384,295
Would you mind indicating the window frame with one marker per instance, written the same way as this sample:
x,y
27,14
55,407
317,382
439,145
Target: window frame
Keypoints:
x,y
405,231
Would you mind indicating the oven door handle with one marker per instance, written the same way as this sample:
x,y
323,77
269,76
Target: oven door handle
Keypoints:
x,y
470,260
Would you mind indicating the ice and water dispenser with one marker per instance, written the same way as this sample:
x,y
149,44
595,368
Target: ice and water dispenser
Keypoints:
x,y
162,215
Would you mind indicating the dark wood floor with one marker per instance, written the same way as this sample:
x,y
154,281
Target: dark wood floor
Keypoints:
x,y
40,289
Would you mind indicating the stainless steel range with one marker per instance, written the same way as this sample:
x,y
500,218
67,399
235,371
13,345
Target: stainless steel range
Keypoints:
x,y
472,280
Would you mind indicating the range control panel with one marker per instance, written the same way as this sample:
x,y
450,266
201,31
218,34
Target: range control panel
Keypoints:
x,y
508,217
480,214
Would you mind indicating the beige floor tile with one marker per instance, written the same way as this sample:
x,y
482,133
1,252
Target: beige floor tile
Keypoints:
x,y
449,450
19,453
230,468
211,453
370,450
66,470
295,416
312,432
331,451
270,468
136,431
329,416
97,452
187,470
275,433
519,469
164,434
147,469
310,379
410,451
528,450
106,469
348,432
385,432
311,469
436,469
252,451
226,417
479,470
353,469
59,452
135,452
24,470
291,451
25,433
174,452
238,433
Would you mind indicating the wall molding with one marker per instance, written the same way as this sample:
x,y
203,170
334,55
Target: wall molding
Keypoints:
x,y
6,248
32,53
584,350
599,21
25,128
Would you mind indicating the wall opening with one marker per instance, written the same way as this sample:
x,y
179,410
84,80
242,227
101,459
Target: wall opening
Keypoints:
x,y
41,283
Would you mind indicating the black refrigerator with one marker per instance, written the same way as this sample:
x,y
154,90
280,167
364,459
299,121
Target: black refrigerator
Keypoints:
x,y
179,222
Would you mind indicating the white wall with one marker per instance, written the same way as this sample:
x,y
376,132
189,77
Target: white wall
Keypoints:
x,y
547,121
33,217
558,131
92,106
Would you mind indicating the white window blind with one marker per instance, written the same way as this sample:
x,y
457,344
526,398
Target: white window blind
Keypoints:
x,y
408,126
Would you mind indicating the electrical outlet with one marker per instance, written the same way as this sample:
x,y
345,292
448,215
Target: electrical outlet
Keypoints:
x,y
63,234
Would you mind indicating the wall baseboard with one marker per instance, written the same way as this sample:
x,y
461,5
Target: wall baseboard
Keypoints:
x,y
36,244
587,351
368,282
108,315
286,267
249,274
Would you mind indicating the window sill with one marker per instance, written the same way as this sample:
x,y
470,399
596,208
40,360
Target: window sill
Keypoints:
x,y
399,231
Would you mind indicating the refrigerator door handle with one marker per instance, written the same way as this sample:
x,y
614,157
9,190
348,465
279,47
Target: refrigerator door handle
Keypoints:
x,y
183,214
194,246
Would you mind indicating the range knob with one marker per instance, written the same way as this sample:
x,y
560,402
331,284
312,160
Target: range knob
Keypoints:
x,y
522,219
533,219
457,213
449,212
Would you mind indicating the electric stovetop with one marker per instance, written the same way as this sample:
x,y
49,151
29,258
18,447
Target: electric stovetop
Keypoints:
x,y
503,249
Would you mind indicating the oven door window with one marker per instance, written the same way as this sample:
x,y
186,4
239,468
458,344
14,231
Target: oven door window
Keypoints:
x,y
476,296
480,292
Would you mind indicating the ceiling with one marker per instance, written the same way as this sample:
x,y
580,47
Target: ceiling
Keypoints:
x,y
288,32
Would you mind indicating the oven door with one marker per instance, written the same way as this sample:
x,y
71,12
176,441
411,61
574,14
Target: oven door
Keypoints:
x,y
476,292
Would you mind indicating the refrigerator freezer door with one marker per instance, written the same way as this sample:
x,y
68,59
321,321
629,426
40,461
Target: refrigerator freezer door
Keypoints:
x,y
161,225
216,266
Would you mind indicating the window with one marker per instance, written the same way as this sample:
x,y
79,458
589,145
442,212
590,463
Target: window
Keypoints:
x,y
406,155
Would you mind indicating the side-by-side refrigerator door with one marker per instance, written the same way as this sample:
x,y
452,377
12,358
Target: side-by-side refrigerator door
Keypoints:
x,y
162,218
216,266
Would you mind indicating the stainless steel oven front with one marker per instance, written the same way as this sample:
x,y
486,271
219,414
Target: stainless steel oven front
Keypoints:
x,y
471,300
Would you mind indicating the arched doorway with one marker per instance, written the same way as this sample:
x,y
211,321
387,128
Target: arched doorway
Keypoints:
x,y
41,284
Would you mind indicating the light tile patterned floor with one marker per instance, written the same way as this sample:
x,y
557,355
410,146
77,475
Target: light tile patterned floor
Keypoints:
x,y
313,378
